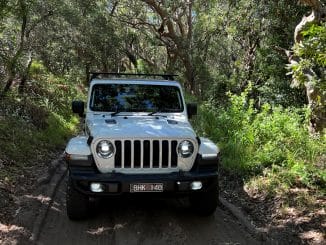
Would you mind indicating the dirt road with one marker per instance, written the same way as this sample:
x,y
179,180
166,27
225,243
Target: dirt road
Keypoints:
x,y
139,221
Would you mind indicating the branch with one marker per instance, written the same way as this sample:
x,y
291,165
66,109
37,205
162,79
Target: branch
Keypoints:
x,y
178,19
164,16
180,25
24,23
139,24
115,4
37,22
190,20
318,13
316,5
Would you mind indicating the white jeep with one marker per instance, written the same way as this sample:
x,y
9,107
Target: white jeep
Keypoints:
x,y
137,139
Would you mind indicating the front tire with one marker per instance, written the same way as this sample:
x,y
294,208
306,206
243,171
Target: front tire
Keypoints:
x,y
204,203
77,204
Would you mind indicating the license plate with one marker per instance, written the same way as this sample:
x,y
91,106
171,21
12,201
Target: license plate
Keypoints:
x,y
146,187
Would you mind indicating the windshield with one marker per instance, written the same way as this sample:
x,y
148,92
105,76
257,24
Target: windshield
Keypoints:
x,y
135,98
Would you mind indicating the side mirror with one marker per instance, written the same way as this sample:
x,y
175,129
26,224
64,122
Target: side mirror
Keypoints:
x,y
78,107
191,109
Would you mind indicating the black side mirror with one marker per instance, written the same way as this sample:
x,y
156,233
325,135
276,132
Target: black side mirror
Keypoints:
x,y
191,109
78,107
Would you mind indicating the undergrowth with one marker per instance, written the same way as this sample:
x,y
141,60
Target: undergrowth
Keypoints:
x,y
37,122
270,147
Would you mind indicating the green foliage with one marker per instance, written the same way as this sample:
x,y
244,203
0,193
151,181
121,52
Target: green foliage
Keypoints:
x,y
54,93
312,54
239,41
308,70
222,47
22,145
37,68
314,46
225,44
272,140
39,122
59,129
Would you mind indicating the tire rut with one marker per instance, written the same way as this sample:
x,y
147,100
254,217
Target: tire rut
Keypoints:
x,y
138,221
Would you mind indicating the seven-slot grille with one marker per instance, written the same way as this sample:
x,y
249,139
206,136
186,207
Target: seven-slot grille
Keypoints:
x,y
146,154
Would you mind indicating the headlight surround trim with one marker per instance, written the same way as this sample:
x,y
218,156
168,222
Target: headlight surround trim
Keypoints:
x,y
105,149
186,149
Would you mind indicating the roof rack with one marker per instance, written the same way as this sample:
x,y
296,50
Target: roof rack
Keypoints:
x,y
117,74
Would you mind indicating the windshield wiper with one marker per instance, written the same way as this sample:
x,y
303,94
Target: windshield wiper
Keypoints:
x,y
117,111
164,110
152,113
114,113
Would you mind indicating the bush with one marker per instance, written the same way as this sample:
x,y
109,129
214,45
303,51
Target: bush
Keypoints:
x,y
273,138
37,123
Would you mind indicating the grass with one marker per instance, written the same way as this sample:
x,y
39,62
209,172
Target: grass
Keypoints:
x,y
37,123
270,148
22,145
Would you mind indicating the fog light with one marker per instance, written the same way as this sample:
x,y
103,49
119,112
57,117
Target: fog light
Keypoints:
x,y
97,187
196,185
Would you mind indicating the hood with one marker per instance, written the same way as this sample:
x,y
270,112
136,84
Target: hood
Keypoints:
x,y
139,127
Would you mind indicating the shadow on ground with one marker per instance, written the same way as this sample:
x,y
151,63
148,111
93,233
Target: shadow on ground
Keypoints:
x,y
283,219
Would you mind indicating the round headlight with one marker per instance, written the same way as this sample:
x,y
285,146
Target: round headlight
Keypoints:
x,y
186,148
105,149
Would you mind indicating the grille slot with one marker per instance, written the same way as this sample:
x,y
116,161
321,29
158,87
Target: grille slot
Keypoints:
x,y
117,157
146,154
165,150
156,154
137,154
127,154
174,155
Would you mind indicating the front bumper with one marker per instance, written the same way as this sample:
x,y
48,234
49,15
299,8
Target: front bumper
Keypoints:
x,y
177,183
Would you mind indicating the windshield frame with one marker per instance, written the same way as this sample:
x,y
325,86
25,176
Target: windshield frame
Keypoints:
x,y
141,83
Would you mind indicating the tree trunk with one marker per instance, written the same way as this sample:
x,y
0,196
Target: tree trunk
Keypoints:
x,y
7,86
25,75
171,61
87,77
190,75
176,32
316,99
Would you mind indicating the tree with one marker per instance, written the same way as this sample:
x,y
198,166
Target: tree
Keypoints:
x,y
235,42
23,18
308,61
171,22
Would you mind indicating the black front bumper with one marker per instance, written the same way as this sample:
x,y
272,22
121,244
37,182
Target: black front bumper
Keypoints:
x,y
117,183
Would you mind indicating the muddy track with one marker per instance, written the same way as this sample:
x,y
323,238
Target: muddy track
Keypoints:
x,y
139,221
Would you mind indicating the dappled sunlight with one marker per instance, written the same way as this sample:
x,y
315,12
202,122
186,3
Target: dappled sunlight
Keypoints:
x,y
141,126
40,198
288,214
304,220
9,234
56,207
315,237
322,212
10,228
101,230
256,69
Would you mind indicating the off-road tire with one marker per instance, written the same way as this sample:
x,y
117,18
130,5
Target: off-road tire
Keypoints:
x,y
204,203
77,204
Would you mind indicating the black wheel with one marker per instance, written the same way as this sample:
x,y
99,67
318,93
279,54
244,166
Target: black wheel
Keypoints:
x,y
204,203
77,203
